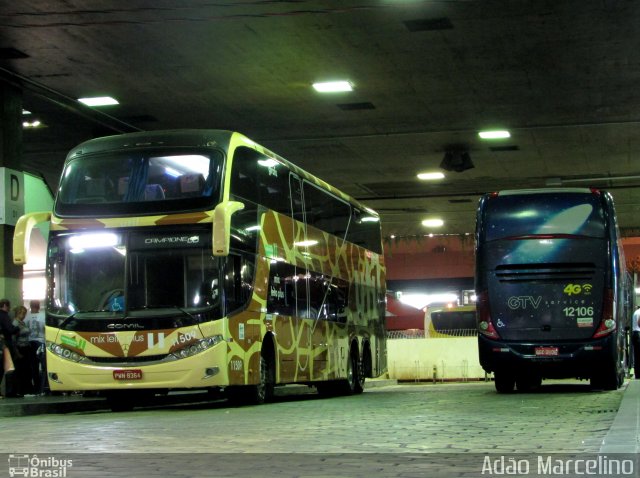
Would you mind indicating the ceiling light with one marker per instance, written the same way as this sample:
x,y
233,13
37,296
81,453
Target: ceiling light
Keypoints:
x,y
497,134
431,176
32,124
433,223
333,86
26,112
99,101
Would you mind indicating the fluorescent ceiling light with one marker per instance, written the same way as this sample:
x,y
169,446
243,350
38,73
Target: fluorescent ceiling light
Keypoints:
x,y
26,112
31,124
99,101
332,86
494,134
433,223
430,176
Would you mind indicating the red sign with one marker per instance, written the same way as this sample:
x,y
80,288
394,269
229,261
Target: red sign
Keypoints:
x,y
127,374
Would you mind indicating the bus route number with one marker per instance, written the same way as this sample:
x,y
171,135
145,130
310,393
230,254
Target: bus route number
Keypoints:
x,y
184,338
579,311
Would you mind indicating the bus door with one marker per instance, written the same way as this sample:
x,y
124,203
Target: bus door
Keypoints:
x,y
301,282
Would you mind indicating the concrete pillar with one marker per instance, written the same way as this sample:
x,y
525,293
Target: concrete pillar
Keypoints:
x,y
10,157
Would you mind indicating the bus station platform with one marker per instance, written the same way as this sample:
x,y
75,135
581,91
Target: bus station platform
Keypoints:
x,y
622,436
79,402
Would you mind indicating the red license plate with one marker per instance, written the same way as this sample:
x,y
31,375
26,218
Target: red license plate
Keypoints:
x,y
547,351
127,374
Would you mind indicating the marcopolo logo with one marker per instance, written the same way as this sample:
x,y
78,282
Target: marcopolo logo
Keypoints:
x,y
38,467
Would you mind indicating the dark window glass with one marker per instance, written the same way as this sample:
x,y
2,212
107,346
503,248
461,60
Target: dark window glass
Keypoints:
x,y
139,183
364,231
260,179
281,297
514,215
325,212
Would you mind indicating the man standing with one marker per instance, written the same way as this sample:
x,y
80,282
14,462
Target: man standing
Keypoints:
x,y
635,342
35,322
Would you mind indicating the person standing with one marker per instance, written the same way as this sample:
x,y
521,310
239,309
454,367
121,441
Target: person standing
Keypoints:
x,y
22,358
635,342
7,330
35,321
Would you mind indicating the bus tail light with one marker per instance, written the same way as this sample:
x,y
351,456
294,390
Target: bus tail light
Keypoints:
x,y
485,326
607,323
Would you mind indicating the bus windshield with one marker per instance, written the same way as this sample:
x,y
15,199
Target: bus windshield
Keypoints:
x,y
123,272
139,183
513,216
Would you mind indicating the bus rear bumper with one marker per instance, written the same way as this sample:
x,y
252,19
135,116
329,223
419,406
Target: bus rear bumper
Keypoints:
x,y
547,360
204,370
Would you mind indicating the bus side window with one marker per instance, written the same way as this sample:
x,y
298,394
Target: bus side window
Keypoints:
x,y
238,282
260,179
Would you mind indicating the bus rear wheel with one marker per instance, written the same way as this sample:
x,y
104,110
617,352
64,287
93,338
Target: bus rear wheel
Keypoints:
x,y
355,377
528,383
504,381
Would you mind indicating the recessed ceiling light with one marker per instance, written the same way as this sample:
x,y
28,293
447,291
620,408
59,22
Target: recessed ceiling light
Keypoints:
x,y
333,86
497,134
433,223
99,101
431,176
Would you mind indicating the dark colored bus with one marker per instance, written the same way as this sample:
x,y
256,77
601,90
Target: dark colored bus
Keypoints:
x,y
553,293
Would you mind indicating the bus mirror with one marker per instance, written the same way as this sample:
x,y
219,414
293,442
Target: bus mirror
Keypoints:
x,y
22,235
222,226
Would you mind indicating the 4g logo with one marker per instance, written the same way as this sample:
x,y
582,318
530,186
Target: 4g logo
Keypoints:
x,y
577,289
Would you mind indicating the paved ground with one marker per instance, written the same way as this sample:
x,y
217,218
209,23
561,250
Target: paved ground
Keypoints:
x,y
469,418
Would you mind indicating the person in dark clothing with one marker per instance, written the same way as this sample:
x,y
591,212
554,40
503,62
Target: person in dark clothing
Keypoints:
x,y
7,330
24,357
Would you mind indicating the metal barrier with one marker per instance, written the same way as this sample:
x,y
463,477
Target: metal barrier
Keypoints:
x,y
440,334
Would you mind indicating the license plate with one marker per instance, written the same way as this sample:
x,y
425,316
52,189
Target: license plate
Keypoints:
x,y
547,351
127,374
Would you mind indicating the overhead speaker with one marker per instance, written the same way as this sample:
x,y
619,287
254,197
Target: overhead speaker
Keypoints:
x,y
456,160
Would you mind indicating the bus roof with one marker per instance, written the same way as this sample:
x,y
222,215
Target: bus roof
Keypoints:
x,y
199,138
514,192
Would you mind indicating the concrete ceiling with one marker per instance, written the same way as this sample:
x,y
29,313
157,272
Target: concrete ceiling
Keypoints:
x,y
428,75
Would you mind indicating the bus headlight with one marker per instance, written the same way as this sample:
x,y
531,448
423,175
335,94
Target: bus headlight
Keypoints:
x,y
64,352
195,348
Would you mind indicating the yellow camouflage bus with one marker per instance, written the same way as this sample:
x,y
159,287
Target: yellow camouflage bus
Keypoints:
x,y
198,259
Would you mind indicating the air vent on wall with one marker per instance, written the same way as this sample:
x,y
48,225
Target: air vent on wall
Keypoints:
x,y
12,54
356,106
428,24
504,148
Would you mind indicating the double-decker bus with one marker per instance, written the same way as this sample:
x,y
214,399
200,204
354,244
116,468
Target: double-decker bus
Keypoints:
x,y
552,288
198,259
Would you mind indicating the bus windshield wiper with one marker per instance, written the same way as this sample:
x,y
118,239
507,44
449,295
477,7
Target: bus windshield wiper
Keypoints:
x,y
152,307
68,319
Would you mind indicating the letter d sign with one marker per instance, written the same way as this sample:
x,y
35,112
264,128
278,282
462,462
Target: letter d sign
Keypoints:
x,y
15,188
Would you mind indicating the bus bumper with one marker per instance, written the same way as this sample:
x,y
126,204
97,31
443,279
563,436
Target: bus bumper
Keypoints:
x,y
204,370
548,360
